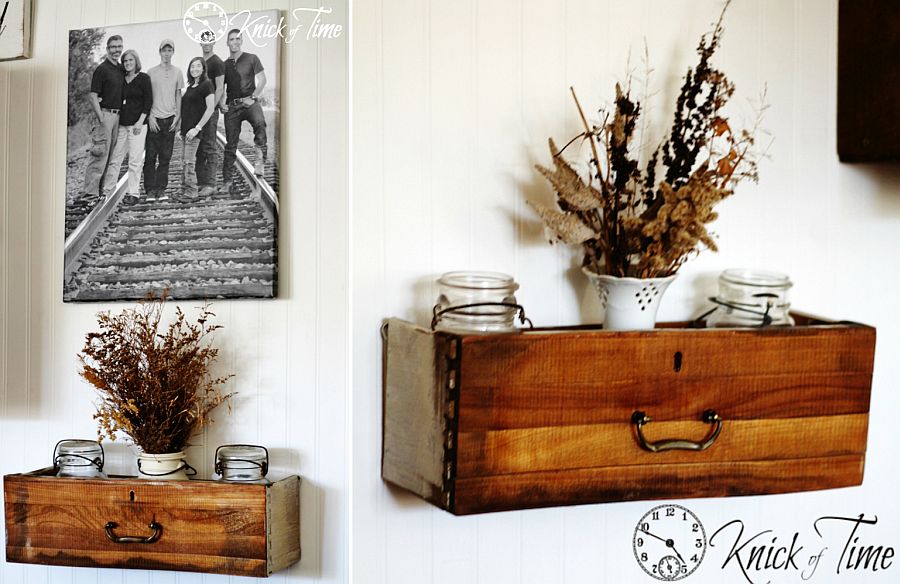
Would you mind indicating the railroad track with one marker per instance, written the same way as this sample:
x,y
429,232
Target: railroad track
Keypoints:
x,y
219,246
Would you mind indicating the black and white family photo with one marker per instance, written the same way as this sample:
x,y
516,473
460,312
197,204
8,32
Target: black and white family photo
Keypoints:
x,y
172,163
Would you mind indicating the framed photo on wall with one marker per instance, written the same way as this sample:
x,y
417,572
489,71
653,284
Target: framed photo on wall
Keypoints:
x,y
868,84
172,176
15,29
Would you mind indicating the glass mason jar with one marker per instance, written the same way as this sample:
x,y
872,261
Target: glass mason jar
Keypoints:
x,y
476,302
79,459
242,463
749,298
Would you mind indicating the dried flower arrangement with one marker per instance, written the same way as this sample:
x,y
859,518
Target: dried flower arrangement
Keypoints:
x,y
630,224
155,387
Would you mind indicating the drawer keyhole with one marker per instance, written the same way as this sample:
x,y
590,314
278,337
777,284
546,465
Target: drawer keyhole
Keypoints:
x,y
131,496
676,362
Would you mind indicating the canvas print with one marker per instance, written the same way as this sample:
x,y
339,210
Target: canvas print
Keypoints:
x,y
172,160
15,29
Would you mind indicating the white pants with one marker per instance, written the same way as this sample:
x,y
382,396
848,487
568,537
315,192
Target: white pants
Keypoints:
x,y
133,145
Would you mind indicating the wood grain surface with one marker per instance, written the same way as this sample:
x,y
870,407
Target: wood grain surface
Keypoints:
x,y
283,524
653,481
207,526
571,447
520,381
543,417
418,409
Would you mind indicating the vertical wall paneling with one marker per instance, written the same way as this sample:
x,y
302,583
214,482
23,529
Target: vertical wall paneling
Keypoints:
x,y
406,148
407,209
545,97
453,104
368,293
18,415
452,107
289,355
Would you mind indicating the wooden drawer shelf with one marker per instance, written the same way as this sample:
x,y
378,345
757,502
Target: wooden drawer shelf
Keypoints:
x,y
480,423
194,526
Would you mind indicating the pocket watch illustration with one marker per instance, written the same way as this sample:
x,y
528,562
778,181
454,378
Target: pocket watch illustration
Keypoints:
x,y
208,28
669,542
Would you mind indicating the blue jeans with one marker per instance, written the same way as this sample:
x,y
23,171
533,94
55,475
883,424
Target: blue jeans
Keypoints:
x,y
132,145
206,153
188,160
103,143
157,156
234,117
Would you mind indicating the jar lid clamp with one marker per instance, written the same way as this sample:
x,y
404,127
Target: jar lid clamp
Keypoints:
x,y
263,464
72,449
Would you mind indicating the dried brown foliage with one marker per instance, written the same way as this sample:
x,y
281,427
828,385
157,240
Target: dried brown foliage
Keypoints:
x,y
154,385
628,222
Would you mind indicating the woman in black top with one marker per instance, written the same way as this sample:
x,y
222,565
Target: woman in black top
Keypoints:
x,y
137,99
197,105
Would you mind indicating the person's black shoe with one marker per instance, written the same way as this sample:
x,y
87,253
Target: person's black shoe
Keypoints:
x,y
89,199
130,200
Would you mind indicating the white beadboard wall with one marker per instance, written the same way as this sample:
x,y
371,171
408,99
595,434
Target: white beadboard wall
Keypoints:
x,y
290,355
452,105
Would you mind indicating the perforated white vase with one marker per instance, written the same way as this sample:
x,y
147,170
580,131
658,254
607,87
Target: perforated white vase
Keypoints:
x,y
629,303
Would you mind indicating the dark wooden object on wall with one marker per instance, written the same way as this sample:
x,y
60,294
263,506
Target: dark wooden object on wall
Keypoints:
x,y
199,526
479,423
869,80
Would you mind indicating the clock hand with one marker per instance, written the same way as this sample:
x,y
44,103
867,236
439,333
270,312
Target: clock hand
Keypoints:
x,y
662,539
676,551
670,543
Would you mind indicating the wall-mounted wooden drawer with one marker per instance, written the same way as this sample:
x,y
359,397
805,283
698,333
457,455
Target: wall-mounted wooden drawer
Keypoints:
x,y
194,526
478,423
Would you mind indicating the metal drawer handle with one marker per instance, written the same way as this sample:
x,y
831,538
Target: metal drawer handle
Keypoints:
x,y
640,419
156,527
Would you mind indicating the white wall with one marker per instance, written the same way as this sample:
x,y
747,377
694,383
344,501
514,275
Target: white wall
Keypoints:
x,y
290,355
452,106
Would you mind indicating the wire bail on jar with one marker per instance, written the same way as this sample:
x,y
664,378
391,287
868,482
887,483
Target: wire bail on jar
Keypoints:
x,y
182,466
79,458
477,302
750,298
242,463
438,313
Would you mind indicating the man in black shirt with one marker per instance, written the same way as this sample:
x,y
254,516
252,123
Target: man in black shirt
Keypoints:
x,y
107,85
206,152
244,82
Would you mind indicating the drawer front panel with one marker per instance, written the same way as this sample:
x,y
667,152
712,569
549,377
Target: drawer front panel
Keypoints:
x,y
544,418
572,447
184,562
227,533
534,380
662,481
204,527
552,404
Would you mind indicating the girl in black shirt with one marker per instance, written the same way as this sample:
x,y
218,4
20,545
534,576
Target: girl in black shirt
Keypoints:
x,y
197,105
137,99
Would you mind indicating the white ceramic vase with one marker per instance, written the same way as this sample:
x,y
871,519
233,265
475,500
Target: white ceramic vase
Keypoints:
x,y
162,467
629,303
